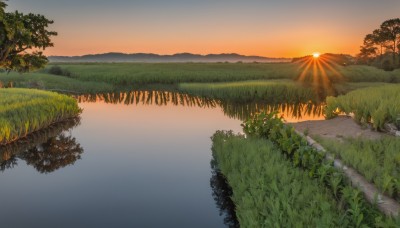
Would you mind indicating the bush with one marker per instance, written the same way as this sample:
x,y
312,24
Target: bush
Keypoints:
x,y
387,65
57,70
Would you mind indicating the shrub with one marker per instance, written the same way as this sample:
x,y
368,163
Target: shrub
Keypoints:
x,y
377,105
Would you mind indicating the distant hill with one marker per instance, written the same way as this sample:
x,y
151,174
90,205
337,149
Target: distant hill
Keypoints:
x,y
341,59
181,57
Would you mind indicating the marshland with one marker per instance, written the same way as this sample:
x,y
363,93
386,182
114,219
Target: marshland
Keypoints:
x,y
198,140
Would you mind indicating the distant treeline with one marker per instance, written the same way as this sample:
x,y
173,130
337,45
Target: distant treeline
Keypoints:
x,y
381,48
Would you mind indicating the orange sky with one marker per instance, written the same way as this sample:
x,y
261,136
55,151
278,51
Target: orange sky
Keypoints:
x,y
286,28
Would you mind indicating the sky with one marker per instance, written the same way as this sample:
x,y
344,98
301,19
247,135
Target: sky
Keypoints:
x,y
273,28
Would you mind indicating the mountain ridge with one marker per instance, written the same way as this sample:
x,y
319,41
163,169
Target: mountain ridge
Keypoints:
x,y
178,57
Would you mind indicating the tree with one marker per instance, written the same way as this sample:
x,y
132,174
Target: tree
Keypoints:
x,y
22,40
391,33
367,53
379,40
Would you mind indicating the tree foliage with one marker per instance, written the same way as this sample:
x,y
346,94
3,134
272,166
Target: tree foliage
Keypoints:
x,y
23,37
381,44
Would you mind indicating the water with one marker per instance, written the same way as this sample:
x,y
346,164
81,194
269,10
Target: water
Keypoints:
x,y
140,160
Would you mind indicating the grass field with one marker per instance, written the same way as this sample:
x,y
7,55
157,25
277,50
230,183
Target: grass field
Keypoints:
x,y
110,77
167,73
23,111
270,91
53,82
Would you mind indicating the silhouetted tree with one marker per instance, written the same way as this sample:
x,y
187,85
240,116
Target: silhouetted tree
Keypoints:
x,y
390,31
22,39
386,37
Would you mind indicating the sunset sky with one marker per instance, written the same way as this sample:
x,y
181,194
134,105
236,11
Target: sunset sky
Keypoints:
x,y
278,28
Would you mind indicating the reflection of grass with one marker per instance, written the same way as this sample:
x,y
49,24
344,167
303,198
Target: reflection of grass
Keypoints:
x,y
24,111
377,160
376,105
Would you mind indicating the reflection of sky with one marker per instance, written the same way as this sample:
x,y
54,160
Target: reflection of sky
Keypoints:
x,y
142,166
248,27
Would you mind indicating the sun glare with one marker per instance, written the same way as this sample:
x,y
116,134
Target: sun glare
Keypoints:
x,y
316,55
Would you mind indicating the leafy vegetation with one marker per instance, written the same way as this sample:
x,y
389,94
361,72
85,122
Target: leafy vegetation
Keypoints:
x,y
381,47
377,105
22,38
25,111
297,150
268,190
377,160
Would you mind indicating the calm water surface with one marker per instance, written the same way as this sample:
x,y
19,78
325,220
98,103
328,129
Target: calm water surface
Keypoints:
x,y
126,164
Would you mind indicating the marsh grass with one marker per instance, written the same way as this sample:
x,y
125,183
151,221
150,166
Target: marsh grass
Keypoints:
x,y
272,91
267,189
169,73
54,82
376,105
23,111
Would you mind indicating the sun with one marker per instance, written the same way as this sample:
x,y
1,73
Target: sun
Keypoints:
x,y
316,55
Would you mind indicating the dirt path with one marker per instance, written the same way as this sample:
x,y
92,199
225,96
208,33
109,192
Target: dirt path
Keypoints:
x,y
340,127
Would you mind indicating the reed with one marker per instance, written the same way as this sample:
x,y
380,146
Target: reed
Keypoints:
x,y
271,91
23,111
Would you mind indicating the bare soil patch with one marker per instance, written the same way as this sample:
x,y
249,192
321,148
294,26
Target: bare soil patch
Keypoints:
x,y
337,128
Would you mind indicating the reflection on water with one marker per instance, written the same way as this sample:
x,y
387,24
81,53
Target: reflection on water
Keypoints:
x,y
292,111
222,194
47,150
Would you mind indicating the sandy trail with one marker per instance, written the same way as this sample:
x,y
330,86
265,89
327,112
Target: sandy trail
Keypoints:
x,y
337,128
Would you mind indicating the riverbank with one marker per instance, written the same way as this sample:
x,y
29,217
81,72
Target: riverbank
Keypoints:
x,y
24,111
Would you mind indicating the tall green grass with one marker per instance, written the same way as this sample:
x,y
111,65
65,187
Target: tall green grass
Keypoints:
x,y
23,111
267,190
54,82
377,160
150,73
271,91
376,105
169,73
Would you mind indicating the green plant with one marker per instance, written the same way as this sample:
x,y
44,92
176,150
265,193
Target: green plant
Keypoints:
x,y
377,105
24,111
296,148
